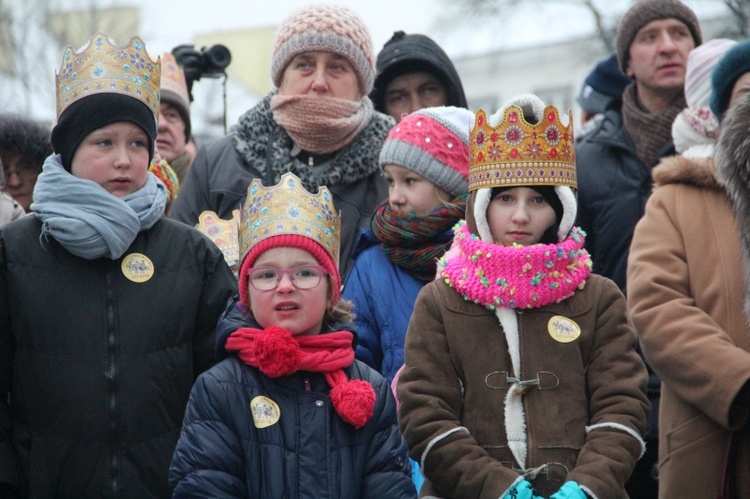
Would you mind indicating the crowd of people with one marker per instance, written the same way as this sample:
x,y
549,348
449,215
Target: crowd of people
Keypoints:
x,y
415,298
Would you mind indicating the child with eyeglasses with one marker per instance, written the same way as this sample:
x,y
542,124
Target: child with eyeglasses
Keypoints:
x,y
289,412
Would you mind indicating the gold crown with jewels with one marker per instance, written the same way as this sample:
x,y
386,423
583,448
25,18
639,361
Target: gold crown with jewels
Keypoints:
x,y
103,67
288,209
515,152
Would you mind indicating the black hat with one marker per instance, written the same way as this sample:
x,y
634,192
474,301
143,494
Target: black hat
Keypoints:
x,y
96,111
605,83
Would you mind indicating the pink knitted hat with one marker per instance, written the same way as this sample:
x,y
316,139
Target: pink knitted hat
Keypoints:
x,y
700,64
326,28
433,142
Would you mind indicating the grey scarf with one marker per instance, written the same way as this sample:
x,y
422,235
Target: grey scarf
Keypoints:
x,y
87,220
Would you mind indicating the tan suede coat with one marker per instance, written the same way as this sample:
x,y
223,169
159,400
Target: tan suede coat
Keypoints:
x,y
584,419
685,296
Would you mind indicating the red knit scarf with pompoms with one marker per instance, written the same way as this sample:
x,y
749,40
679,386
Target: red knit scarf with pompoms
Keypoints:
x,y
277,353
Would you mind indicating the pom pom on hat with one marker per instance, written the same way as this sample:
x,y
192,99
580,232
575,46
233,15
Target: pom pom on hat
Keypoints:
x,y
645,11
434,143
734,64
326,28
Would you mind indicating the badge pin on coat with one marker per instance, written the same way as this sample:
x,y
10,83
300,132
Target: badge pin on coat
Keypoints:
x,y
137,267
265,411
562,329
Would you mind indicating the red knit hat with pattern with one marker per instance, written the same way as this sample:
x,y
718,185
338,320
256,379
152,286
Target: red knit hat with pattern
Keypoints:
x,y
290,241
434,143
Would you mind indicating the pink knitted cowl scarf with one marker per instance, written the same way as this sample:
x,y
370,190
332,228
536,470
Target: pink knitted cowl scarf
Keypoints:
x,y
515,276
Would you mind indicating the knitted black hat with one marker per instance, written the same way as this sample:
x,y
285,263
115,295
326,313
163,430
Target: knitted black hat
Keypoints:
x,y
605,83
646,11
404,54
96,111
735,63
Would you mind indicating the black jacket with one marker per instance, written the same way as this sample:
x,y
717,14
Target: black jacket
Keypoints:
x,y
613,187
306,450
98,367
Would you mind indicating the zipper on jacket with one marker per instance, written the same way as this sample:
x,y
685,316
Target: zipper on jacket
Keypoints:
x,y
307,385
112,375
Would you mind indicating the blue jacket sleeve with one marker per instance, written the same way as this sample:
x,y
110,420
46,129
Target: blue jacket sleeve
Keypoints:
x,y
207,461
360,291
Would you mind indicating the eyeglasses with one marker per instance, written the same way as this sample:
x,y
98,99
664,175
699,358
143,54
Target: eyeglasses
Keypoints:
x,y
303,277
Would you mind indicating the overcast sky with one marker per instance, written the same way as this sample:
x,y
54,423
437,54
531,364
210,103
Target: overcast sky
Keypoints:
x,y
168,23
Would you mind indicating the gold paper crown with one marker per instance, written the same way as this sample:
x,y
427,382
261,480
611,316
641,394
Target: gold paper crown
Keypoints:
x,y
103,67
516,152
224,233
173,78
287,208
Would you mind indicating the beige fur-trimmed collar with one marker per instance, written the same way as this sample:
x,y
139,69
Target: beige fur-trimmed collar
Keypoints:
x,y
699,172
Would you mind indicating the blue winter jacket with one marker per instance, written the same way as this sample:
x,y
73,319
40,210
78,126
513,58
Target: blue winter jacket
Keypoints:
x,y
300,448
383,295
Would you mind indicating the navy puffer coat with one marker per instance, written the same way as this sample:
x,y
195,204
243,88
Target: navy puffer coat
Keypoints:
x,y
294,446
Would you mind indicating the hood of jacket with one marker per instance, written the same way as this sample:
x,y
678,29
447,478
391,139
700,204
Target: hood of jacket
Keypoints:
x,y
404,54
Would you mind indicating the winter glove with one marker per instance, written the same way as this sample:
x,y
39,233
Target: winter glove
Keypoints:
x,y
569,490
520,490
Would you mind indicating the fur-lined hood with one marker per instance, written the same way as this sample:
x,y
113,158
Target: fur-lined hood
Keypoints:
x,y
699,172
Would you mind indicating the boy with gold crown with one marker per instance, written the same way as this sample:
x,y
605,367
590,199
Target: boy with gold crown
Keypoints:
x,y
290,412
107,308
521,378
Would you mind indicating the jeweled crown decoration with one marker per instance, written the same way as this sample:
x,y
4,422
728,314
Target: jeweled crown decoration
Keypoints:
x,y
173,77
287,208
515,152
103,67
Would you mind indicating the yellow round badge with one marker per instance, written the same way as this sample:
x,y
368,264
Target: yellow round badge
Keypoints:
x,y
563,329
265,411
137,267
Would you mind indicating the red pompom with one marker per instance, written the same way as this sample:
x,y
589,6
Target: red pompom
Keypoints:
x,y
354,401
277,351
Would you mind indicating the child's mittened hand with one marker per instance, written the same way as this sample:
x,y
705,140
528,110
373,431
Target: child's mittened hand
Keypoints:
x,y
520,490
569,490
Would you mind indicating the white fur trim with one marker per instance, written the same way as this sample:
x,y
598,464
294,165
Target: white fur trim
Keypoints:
x,y
481,203
530,103
621,427
515,419
436,440
588,491
570,209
